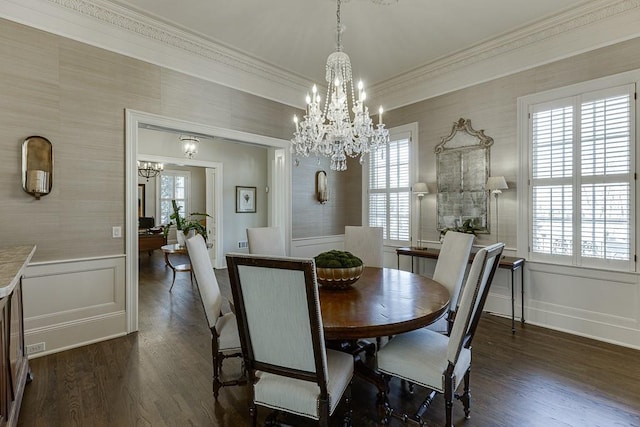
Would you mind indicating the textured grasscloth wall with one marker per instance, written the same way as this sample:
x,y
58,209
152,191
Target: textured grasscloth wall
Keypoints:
x,y
310,217
492,106
75,95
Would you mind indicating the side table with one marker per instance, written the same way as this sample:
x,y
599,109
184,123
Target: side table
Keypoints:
x,y
176,249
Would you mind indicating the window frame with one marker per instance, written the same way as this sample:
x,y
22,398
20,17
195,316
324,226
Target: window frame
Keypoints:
x,y
187,191
578,94
409,131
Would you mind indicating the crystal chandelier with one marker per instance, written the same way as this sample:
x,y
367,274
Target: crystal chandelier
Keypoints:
x,y
149,170
330,131
189,145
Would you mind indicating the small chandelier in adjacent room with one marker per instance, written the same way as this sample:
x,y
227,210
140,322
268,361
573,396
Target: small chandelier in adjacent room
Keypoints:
x,y
189,145
149,169
330,131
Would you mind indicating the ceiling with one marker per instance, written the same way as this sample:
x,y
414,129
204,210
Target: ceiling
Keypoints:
x,y
383,41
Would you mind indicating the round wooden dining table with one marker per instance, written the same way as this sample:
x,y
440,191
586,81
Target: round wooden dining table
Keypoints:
x,y
384,301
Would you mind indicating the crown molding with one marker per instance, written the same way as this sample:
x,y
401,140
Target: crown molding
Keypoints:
x,y
103,24
596,24
115,28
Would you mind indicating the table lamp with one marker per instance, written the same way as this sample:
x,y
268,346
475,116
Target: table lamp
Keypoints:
x,y
495,184
420,189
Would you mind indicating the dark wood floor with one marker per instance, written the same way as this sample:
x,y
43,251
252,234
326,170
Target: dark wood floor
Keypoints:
x,y
161,376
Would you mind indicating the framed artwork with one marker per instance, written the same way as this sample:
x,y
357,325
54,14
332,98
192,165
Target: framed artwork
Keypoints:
x,y
140,200
245,199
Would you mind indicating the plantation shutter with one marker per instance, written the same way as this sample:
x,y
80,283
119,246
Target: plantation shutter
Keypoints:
x,y
389,189
582,178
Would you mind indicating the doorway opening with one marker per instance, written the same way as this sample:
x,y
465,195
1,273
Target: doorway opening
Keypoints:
x,y
277,188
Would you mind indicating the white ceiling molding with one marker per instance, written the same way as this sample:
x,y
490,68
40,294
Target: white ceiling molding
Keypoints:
x,y
109,26
597,24
115,28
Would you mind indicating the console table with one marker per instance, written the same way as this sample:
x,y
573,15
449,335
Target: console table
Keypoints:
x,y
507,262
15,372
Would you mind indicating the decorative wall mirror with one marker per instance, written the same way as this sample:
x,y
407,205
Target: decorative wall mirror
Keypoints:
x,y
462,161
37,166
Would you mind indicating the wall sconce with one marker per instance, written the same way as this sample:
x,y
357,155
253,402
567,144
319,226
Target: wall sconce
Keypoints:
x,y
322,190
495,184
37,166
189,145
420,189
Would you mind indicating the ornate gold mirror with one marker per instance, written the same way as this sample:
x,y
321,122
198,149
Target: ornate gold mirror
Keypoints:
x,y
37,166
462,161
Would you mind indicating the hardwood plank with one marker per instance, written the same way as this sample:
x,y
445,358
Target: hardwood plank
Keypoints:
x,y
161,376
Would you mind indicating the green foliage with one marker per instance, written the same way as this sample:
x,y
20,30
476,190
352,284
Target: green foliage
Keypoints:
x,y
337,259
466,227
192,222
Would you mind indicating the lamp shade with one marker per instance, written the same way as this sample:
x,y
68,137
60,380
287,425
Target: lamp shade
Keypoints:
x,y
496,183
420,188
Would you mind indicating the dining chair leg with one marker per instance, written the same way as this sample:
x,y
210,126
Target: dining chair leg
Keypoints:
x,y
216,367
253,413
448,401
466,396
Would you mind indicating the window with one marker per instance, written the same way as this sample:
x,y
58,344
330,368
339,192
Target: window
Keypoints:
x,y
582,178
174,185
388,181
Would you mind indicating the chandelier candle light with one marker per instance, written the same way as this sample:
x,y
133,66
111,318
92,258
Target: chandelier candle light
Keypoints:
x,y
330,132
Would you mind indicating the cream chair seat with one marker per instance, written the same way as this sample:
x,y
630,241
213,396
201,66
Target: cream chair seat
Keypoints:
x,y
278,308
366,243
225,341
266,241
450,269
435,361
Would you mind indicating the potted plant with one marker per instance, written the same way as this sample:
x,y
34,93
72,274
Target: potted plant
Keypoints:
x,y
466,227
186,225
338,269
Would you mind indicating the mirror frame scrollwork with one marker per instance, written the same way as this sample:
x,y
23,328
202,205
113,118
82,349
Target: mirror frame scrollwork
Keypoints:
x,y
462,166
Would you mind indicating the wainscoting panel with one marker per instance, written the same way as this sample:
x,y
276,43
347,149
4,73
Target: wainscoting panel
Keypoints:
x,y
72,303
598,304
312,246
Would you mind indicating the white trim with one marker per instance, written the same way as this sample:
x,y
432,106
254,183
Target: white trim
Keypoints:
x,y
595,24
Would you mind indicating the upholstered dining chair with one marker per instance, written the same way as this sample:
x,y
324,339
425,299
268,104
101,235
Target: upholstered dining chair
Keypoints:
x,y
266,241
449,272
436,361
279,318
365,243
225,341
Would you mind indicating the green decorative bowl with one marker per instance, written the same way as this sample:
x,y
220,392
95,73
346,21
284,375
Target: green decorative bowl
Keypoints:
x,y
338,278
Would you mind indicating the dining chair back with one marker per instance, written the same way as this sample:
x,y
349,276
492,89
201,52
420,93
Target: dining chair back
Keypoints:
x,y
435,361
279,318
365,243
450,269
225,341
266,241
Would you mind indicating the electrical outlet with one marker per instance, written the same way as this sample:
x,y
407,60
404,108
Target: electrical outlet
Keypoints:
x,y
116,232
35,348
243,244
